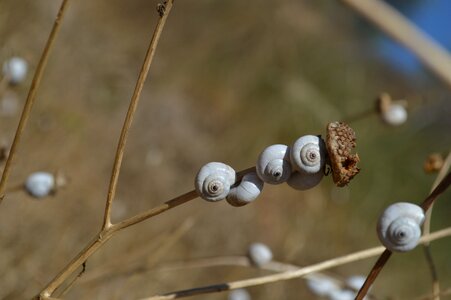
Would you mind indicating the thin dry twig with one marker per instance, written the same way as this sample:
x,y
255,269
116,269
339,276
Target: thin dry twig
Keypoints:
x,y
109,229
292,274
132,108
383,259
390,21
31,96
427,229
105,234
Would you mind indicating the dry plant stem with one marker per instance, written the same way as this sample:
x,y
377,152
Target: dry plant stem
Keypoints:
x,y
106,233
383,259
131,111
427,230
291,274
31,96
382,15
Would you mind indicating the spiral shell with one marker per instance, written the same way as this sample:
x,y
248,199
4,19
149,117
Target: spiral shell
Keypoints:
x,y
273,164
308,154
304,181
213,181
247,191
399,226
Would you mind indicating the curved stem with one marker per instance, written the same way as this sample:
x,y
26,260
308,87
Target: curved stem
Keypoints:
x,y
106,233
427,230
31,97
291,274
131,111
383,259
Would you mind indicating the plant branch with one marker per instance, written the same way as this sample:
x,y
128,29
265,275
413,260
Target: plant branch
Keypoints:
x,y
131,111
106,233
394,24
31,97
427,229
383,259
291,274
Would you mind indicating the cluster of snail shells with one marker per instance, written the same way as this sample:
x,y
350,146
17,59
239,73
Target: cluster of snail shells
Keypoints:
x,y
399,226
300,165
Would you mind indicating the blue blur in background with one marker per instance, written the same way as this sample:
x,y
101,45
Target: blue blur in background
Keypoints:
x,y
433,17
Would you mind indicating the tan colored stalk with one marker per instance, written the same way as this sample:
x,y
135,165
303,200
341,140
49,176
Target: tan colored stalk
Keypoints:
x,y
383,259
430,53
164,10
31,97
106,233
427,229
292,274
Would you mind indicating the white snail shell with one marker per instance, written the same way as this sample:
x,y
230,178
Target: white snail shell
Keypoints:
x,y
395,115
304,181
308,154
344,294
239,294
40,184
259,254
15,69
273,164
213,181
399,226
321,285
355,282
247,191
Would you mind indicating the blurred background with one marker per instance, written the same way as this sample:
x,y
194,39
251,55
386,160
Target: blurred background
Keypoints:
x,y
229,78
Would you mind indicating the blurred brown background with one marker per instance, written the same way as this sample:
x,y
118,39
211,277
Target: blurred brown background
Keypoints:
x,y
229,78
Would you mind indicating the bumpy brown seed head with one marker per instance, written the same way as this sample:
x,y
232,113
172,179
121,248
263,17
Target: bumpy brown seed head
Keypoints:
x,y
433,163
340,142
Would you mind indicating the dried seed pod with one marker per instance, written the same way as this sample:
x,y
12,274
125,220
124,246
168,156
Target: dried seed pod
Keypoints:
x,y
247,191
399,226
213,181
340,142
433,163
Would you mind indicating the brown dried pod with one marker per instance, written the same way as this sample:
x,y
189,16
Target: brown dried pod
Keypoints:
x,y
340,141
433,163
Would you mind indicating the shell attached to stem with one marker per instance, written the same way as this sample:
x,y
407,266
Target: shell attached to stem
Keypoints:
x,y
399,226
247,191
213,181
308,154
273,164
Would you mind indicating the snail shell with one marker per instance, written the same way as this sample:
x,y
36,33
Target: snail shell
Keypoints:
x,y
308,154
399,226
304,181
247,191
273,164
213,181
395,115
15,69
239,294
40,184
259,254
